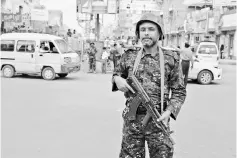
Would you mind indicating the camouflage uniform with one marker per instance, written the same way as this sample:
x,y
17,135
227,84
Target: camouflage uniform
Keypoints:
x,y
148,74
92,58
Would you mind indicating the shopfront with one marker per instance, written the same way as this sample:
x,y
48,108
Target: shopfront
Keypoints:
x,y
228,30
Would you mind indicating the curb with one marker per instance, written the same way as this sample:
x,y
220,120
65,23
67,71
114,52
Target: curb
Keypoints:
x,y
228,62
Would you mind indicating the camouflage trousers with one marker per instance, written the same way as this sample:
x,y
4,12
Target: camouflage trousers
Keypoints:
x,y
135,135
92,64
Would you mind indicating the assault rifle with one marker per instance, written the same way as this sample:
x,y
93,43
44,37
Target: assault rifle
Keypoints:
x,y
142,97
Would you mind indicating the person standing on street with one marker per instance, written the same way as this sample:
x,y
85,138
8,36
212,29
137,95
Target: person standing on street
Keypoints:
x,y
222,50
92,57
104,58
149,30
115,54
69,33
186,56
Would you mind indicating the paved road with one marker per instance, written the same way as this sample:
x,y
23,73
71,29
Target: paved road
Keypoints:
x,y
79,117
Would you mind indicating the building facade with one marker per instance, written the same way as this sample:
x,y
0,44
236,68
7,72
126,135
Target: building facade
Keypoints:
x,y
174,14
130,12
222,24
193,23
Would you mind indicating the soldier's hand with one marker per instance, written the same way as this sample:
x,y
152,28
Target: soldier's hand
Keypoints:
x,y
122,84
165,117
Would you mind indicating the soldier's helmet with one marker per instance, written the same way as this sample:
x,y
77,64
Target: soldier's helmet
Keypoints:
x,y
149,17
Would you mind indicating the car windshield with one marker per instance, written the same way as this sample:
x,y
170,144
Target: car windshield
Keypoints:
x,y
64,47
207,49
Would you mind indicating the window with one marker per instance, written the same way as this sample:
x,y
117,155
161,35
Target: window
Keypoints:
x,y
207,49
7,45
25,46
48,46
63,46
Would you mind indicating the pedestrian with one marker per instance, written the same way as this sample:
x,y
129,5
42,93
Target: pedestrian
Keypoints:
x,y
186,56
115,54
69,33
92,57
104,58
222,51
149,30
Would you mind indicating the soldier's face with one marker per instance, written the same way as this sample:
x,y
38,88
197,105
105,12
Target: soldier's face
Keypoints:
x,y
149,34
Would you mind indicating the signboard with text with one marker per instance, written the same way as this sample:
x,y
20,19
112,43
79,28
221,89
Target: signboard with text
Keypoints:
x,y
11,17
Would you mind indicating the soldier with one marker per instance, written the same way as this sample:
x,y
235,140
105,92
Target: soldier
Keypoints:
x,y
149,31
92,57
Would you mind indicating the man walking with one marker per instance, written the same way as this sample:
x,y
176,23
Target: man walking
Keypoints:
x,y
186,56
104,58
92,57
147,70
115,54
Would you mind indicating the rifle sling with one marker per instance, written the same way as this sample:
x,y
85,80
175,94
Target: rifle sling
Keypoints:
x,y
162,71
162,74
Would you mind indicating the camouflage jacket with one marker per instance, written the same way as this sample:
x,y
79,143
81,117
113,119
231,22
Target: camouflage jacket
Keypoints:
x,y
92,51
148,74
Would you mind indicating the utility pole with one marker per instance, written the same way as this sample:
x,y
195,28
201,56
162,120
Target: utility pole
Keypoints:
x,y
97,27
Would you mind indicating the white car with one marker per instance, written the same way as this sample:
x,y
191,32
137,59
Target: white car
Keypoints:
x,y
205,72
208,51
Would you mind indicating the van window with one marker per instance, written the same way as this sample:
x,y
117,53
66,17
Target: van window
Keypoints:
x,y
48,46
207,49
25,46
7,45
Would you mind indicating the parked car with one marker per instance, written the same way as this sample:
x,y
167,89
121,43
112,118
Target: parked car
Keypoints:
x,y
207,51
205,72
40,54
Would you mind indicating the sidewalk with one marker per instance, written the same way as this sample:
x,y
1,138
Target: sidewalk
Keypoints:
x,y
227,61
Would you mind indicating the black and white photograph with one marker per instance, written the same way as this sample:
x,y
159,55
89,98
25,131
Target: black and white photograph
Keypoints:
x,y
118,78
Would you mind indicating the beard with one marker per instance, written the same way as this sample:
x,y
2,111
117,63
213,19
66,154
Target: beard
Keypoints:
x,y
148,42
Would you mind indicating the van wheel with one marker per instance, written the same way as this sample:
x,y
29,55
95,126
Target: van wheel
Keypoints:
x,y
204,77
62,75
8,71
48,73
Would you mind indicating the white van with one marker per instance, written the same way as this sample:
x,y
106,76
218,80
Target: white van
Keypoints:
x,y
207,51
33,53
